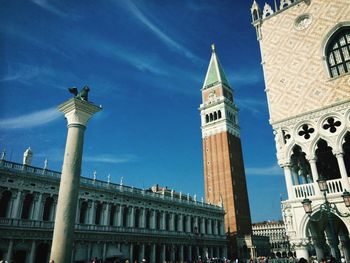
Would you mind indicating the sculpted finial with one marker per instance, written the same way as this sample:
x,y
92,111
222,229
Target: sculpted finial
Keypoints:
x,y
82,95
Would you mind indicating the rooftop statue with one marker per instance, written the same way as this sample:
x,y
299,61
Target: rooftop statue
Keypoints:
x,y
82,95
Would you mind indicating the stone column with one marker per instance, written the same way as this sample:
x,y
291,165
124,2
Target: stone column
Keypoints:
x,y
153,254
162,253
172,222
224,252
162,221
210,230
53,210
77,113
32,252
131,253
142,217
17,205
172,253
9,251
342,169
141,252
180,223
131,217
301,251
181,253
92,212
188,223
153,222
215,227
120,216
104,252
38,207
189,259
314,173
288,178
106,214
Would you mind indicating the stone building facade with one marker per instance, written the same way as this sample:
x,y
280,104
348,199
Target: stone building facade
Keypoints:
x,y
305,50
224,174
278,240
113,221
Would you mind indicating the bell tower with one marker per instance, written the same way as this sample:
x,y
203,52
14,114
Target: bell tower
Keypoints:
x,y
224,175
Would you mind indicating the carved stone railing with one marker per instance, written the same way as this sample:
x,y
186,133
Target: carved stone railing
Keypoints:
x,y
304,190
48,225
335,187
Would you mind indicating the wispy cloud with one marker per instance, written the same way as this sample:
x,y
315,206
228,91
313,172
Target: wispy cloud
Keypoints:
x,y
30,120
240,78
49,6
112,159
272,170
170,42
253,105
23,72
24,35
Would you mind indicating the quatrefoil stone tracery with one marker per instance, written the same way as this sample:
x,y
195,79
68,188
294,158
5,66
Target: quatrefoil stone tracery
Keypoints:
x,y
331,124
306,131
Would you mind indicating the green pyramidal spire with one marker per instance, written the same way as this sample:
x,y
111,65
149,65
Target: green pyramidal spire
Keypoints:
x,y
215,73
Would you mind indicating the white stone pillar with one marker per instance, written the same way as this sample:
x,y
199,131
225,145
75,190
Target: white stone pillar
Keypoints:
x,y
181,253
32,252
120,216
153,219
162,221
189,259
188,223
288,178
342,169
294,171
92,212
38,207
17,205
172,222
314,173
131,217
210,230
104,252
153,254
131,253
53,209
180,223
141,252
172,253
143,219
162,253
301,251
106,214
9,251
77,113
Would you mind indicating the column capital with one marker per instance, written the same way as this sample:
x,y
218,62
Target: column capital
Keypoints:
x,y
338,154
311,158
286,165
77,111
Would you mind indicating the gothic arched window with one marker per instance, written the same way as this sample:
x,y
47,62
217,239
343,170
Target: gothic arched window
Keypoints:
x,y
338,52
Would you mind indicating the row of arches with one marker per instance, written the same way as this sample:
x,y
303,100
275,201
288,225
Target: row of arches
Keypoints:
x,y
326,162
99,213
216,115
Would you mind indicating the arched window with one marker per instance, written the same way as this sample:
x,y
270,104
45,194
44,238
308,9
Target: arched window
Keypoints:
x,y
327,164
47,208
219,114
4,203
215,116
207,118
338,52
83,213
211,116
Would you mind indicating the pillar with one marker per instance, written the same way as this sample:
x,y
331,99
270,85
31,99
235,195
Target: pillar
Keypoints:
x,y
188,223
314,173
343,173
181,253
120,216
162,253
189,259
131,253
153,254
77,112
131,217
38,207
104,252
106,214
9,251
92,212
172,253
215,227
141,252
180,223
288,178
301,251
32,252
153,219
17,205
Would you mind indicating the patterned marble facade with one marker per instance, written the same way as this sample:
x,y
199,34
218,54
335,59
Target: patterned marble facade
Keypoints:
x,y
305,49
113,221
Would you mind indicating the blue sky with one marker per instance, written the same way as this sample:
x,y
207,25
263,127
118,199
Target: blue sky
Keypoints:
x,y
145,62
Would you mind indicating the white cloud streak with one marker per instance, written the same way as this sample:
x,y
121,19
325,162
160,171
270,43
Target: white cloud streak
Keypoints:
x,y
109,159
267,171
47,5
30,120
252,105
161,35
